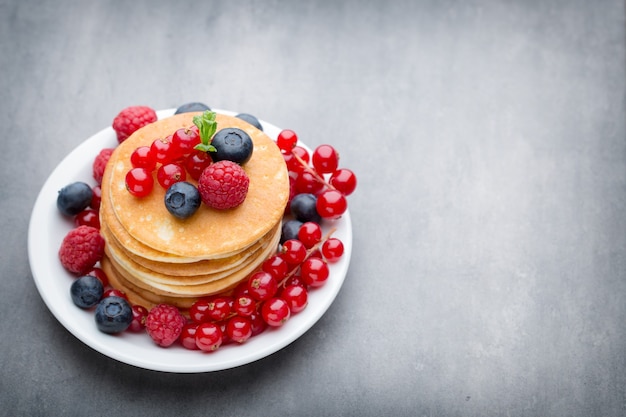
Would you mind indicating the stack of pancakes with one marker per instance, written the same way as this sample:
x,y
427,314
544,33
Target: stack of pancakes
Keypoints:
x,y
155,257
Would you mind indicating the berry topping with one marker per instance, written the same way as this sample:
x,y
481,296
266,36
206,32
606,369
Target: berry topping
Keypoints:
x,y
131,119
182,199
169,174
113,315
250,119
81,249
139,319
74,198
164,324
139,182
100,163
86,291
223,185
232,144
192,107
143,157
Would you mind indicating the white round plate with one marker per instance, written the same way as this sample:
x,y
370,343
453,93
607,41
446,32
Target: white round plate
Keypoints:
x,y
48,228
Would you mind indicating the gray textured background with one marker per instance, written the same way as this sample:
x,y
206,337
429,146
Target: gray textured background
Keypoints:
x,y
488,274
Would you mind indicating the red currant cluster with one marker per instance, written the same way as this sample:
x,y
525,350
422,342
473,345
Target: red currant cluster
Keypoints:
x,y
173,157
318,174
268,297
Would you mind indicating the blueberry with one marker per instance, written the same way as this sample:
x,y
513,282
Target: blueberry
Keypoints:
x,y
290,230
74,198
182,199
232,144
303,208
113,315
86,291
250,119
192,107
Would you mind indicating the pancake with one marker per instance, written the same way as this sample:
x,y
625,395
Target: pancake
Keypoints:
x,y
142,223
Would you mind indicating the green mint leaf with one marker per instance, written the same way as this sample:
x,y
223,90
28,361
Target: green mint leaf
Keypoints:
x,y
207,126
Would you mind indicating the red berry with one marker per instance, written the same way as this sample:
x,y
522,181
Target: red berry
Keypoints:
x,y
262,285
113,292
275,312
325,159
164,324
295,280
196,162
184,140
331,204
139,182
314,272
223,185
169,174
306,182
208,337
294,251
100,162
88,217
332,249
293,164
101,275
310,234
131,119
239,328
188,336
244,305
139,318
162,150
142,157
296,297
344,181
258,324
287,140
276,266
81,249
96,197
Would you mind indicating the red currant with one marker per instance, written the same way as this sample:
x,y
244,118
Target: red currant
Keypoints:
x,y
239,328
293,164
262,285
244,305
188,336
196,162
295,280
276,266
310,234
88,217
142,157
208,336
332,249
139,318
101,275
325,159
343,180
287,140
275,312
306,182
113,292
314,272
162,150
169,174
139,182
96,198
258,324
294,251
184,140
331,204
296,297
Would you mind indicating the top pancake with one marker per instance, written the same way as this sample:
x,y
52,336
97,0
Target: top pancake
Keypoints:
x,y
209,233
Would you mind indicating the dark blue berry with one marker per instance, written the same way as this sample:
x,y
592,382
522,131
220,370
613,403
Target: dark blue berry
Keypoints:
x,y
303,208
250,119
290,230
232,144
74,198
86,291
182,199
113,315
192,107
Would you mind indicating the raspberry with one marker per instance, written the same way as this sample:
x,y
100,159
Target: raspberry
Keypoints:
x,y
164,324
223,185
81,249
132,118
100,162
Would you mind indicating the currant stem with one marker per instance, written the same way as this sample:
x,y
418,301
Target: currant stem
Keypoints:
x,y
309,252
